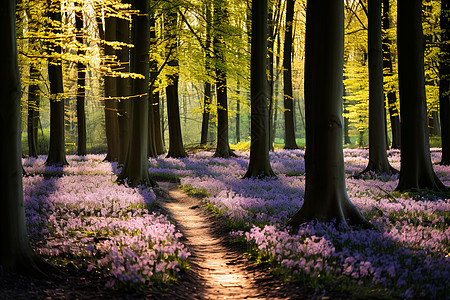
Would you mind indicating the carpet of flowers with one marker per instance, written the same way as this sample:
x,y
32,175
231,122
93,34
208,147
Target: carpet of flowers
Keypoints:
x,y
407,256
78,213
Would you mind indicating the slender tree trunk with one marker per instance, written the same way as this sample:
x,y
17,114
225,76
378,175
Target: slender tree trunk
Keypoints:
x,y
289,140
81,91
416,169
378,161
57,150
259,165
153,90
123,88
326,196
444,85
16,254
111,122
176,147
238,113
387,65
135,168
220,19
33,112
347,140
207,85
433,124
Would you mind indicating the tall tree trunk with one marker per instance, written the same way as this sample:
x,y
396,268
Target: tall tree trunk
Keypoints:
x,y
123,88
16,254
433,124
391,93
416,170
81,91
326,196
33,112
444,85
220,19
153,90
289,140
259,165
378,161
347,140
57,150
176,147
135,168
111,122
207,85
238,113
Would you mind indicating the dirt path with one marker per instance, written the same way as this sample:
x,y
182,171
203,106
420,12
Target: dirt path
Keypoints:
x,y
220,270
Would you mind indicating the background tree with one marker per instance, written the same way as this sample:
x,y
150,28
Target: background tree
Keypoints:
x,y
378,161
176,147
326,196
81,90
289,140
57,149
259,165
444,84
15,253
416,170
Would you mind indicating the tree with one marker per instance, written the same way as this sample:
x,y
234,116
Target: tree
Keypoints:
x,y
16,254
289,132
221,18
110,87
390,89
416,170
57,150
135,168
326,196
207,85
176,147
378,161
33,112
444,85
81,90
259,165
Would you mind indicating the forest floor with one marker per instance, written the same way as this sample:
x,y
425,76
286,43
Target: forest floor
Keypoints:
x,y
219,268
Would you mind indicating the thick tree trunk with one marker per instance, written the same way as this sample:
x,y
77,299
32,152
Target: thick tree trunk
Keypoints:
x,y
378,161
444,85
387,65
81,91
33,113
135,168
16,255
111,122
416,169
259,165
326,196
123,89
289,140
57,150
176,147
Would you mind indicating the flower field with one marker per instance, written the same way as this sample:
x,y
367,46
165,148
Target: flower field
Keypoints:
x,y
117,230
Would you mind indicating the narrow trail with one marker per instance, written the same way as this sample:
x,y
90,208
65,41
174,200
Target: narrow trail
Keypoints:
x,y
219,271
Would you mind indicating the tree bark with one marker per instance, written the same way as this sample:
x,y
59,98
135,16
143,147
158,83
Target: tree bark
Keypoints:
x,y
238,113
176,147
123,88
33,112
289,132
444,85
81,91
57,150
16,255
111,122
416,169
378,162
259,165
135,168
326,196
207,85
391,93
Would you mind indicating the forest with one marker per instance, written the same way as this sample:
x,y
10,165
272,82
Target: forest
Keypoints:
x,y
184,149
